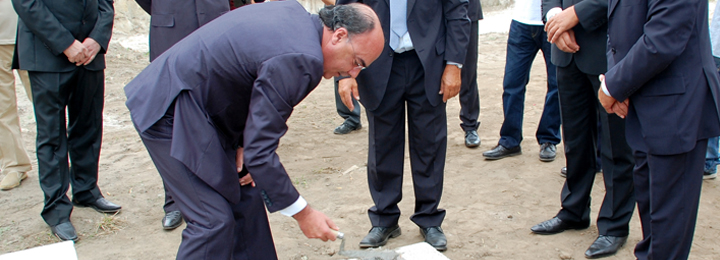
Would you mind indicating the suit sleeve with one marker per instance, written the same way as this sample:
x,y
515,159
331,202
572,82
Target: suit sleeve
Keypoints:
x,y
145,5
103,26
44,25
281,83
592,14
457,25
666,34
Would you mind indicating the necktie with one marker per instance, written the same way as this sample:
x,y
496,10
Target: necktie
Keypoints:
x,y
398,22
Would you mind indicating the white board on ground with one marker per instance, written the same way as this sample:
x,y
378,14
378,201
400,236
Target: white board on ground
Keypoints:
x,y
420,251
58,251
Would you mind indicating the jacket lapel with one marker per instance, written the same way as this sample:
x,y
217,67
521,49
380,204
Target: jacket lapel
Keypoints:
x,y
612,3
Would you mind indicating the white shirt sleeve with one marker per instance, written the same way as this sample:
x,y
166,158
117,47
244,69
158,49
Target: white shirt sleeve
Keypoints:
x,y
552,12
604,88
296,207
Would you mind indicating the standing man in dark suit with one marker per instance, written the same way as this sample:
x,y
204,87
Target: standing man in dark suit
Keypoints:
x,y
577,29
469,97
418,71
662,78
170,21
214,106
62,45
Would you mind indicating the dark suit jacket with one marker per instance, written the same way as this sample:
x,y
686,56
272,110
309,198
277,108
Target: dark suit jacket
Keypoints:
x,y
46,28
659,57
440,32
171,20
590,34
475,10
246,71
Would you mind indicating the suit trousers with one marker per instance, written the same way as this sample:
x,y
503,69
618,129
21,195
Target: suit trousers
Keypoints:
x,y
524,42
427,134
580,110
469,97
667,188
13,156
81,92
352,117
216,228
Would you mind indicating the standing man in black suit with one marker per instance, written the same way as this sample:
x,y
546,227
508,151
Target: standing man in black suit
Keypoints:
x,y
62,45
469,97
170,21
577,29
662,78
418,71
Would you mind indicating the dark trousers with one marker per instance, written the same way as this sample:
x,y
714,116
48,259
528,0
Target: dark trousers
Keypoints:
x,y
427,133
469,97
80,91
352,117
216,228
580,108
524,41
667,189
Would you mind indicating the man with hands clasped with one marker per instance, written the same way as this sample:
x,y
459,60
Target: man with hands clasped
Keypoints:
x,y
62,45
577,29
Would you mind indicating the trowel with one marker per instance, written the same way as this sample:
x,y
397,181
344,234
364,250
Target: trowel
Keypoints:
x,y
365,254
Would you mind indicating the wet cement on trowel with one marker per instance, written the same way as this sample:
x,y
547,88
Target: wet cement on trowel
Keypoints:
x,y
368,254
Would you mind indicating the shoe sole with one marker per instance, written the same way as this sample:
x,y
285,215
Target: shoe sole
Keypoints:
x,y
394,234
500,157
97,209
547,159
710,176
471,145
74,240
558,232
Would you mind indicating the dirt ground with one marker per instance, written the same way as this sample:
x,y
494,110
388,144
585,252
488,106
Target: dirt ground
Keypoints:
x,y
490,205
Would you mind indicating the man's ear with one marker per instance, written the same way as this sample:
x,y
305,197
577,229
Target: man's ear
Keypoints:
x,y
339,34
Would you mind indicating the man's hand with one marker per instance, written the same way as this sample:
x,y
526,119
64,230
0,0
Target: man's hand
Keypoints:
x,y
451,82
239,160
566,42
314,224
611,105
92,48
561,22
76,53
348,89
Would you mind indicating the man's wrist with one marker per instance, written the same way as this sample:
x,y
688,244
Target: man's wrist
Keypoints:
x,y
295,208
552,12
460,66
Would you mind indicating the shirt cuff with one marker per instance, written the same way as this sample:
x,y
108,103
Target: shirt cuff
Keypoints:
x,y
455,63
296,207
604,88
552,12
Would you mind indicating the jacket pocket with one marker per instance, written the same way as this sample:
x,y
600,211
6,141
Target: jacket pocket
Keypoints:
x,y
162,20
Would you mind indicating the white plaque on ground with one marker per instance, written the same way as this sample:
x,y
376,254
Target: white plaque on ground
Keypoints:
x,y
58,251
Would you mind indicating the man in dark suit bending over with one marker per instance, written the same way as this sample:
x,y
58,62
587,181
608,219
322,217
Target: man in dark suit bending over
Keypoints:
x,y
214,107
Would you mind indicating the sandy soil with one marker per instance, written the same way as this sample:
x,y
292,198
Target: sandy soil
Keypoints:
x,y
490,204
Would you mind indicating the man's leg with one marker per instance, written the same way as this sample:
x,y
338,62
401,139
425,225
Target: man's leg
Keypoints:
x,y
469,97
579,116
712,158
670,212
521,51
14,161
548,130
352,117
50,95
84,139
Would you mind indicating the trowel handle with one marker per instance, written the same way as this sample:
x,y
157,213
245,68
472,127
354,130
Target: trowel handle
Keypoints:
x,y
338,234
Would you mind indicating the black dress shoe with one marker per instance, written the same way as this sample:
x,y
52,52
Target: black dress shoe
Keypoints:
x,y
100,205
435,237
563,172
64,231
346,128
472,139
378,236
500,152
556,225
605,246
548,152
172,220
